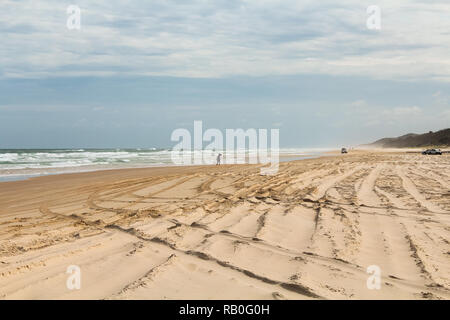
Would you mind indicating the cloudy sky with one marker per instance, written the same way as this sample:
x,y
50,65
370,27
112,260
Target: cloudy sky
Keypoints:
x,y
136,71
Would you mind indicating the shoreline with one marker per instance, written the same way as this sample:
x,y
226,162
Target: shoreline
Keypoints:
x,y
4,178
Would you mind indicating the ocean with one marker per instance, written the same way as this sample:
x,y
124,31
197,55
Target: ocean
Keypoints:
x,y
17,164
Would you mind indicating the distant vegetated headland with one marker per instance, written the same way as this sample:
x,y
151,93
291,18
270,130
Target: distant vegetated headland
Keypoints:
x,y
411,140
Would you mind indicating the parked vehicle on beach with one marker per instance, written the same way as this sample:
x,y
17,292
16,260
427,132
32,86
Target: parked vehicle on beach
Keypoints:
x,y
344,150
432,151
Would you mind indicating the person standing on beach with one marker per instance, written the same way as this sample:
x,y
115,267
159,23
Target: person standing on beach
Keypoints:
x,y
218,159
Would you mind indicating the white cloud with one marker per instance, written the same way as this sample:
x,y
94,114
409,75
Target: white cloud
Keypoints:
x,y
372,115
220,38
403,111
440,98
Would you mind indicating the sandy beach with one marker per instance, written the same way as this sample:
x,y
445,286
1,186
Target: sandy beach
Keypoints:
x,y
226,232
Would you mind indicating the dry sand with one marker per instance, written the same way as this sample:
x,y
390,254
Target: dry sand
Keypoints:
x,y
227,232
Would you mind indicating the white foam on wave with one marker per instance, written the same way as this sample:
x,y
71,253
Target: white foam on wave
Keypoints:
x,y
39,161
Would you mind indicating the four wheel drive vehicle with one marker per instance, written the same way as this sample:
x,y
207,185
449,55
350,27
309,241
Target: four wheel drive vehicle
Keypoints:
x,y
432,151
344,150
